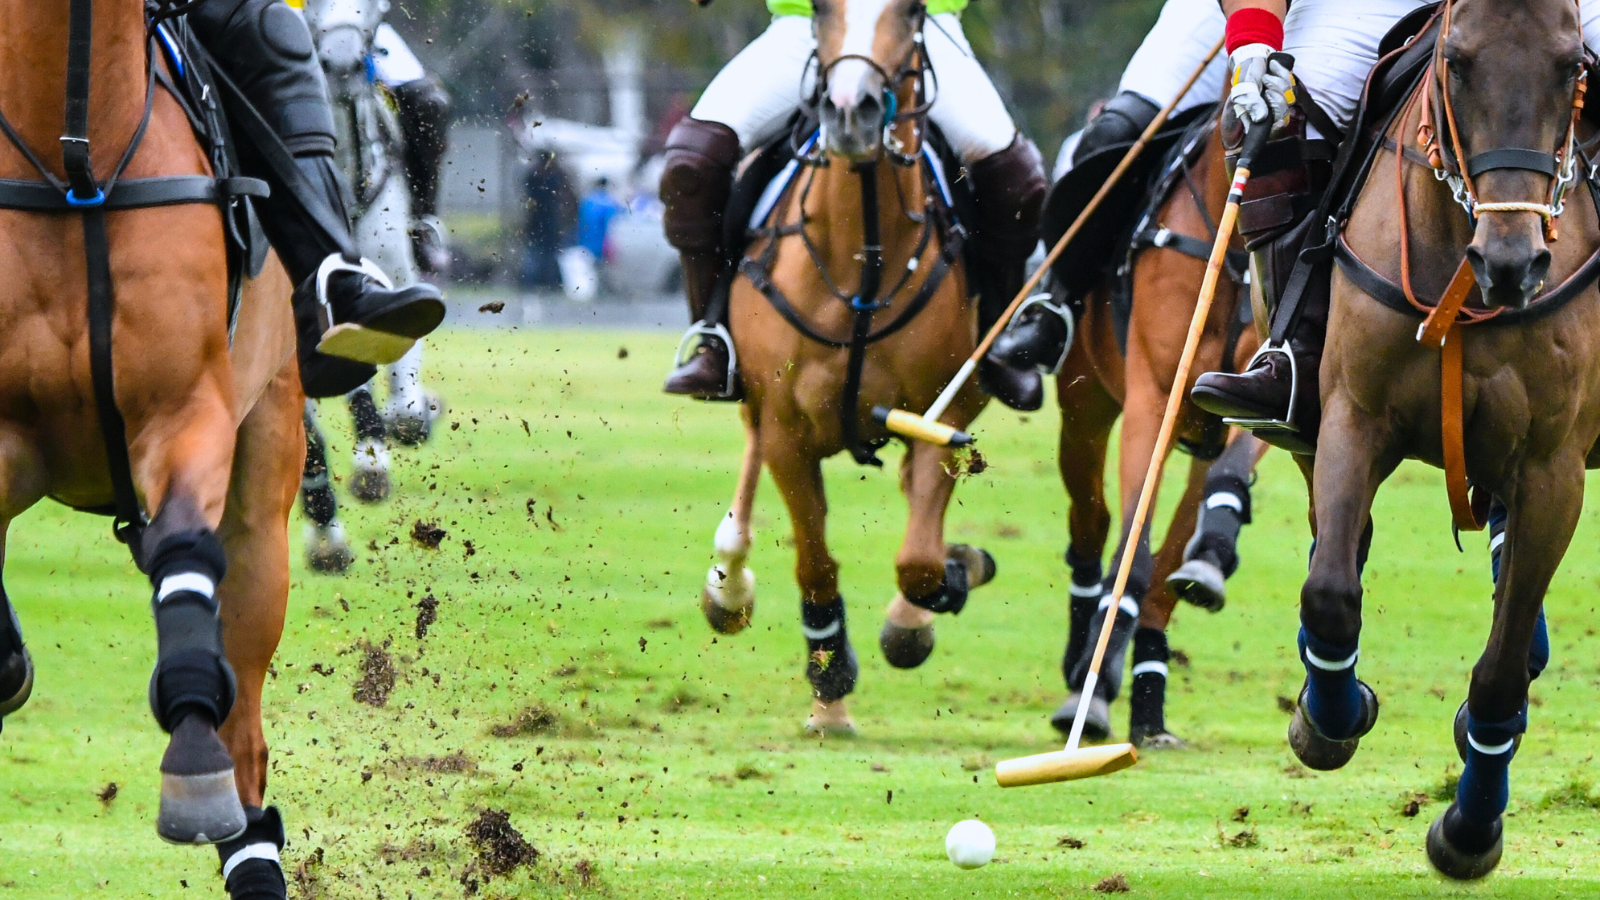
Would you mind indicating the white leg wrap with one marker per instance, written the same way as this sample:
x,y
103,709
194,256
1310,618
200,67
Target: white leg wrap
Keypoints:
x,y
1127,605
1225,499
1332,665
1150,666
262,850
1490,749
192,582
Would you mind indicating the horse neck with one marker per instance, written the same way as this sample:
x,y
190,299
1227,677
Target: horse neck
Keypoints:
x,y
835,216
33,82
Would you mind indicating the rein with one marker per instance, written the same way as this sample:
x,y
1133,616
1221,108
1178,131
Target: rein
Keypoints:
x,y
84,195
869,298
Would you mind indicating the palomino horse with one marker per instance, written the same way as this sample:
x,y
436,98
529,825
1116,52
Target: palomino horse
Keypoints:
x,y
213,437
1495,117
804,400
1097,384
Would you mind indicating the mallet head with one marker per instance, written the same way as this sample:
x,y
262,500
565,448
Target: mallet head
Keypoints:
x,y
1065,765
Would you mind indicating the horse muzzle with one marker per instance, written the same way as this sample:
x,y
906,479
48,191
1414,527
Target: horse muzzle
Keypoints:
x,y
854,111
342,49
1509,257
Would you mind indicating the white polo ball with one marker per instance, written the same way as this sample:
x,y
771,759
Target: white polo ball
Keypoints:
x,y
970,844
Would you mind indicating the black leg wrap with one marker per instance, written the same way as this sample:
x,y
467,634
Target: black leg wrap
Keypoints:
x,y
10,629
316,491
192,672
250,862
424,108
1085,590
831,665
1116,650
364,411
1223,512
951,596
1148,695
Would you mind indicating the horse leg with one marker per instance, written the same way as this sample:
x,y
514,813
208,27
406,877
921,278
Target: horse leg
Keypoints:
x,y
409,410
253,598
369,482
933,577
729,595
1088,414
1545,502
831,665
327,548
1147,696
1211,556
1335,708
21,485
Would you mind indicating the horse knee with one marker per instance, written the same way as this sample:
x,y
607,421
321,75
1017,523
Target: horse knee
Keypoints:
x,y
1330,607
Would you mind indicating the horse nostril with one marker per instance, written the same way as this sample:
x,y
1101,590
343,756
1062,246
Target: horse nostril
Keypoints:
x,y
1479,267
1538,271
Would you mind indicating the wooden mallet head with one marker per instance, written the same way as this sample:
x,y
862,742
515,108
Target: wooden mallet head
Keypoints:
x,y
1065,765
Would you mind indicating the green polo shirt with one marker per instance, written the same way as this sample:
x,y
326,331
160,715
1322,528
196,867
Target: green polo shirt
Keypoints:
x,y
803,7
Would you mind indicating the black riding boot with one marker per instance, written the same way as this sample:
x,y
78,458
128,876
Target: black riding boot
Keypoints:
x,y
1266,389
1039,335
348,315
1010,188
695,187
424,108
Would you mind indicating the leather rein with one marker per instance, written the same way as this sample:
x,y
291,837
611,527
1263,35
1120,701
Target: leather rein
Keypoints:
x,y
869,298
89,197
1443,321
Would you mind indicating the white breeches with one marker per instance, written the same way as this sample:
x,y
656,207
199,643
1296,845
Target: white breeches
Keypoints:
x,y
757,92
1183,35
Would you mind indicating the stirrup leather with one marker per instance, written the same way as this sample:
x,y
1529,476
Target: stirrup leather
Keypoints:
x,y
692,339
1046,301
1285,425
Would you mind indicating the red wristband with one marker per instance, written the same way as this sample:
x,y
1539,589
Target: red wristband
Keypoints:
x,y
1253,25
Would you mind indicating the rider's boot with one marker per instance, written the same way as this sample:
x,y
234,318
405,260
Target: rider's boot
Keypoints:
x,y
1039,335
424,108
348,315
1010,188
695,187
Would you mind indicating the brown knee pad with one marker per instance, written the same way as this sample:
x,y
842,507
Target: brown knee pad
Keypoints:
x,y
696,184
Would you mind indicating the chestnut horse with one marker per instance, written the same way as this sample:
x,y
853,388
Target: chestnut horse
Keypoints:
x,y
1097,383
1500,103
797,409
213,434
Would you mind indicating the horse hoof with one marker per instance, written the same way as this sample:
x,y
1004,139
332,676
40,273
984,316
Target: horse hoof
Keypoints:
x,y
728,604
1157,740
199,800
830,719
905,648
370,485
1096,725
16,682
1461,734
327,549
411,428
1453,862
1325,754
1201,583
979,563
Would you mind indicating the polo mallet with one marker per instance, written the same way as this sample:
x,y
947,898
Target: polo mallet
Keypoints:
x,y
1074,762
926,427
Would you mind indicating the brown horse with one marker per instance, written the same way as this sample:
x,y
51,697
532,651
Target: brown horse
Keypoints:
x,y
213,434
1097,383
1500,103
797,409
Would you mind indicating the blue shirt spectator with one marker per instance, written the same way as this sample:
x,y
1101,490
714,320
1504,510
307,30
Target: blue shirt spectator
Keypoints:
x,y
595,212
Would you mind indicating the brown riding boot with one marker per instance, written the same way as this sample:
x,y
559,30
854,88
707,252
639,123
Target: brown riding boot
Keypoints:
x,y
1010,188
695,187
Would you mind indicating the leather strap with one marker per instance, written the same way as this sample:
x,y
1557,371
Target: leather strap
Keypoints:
x,y
1469,507
1513,158
137,193
129,516
1442,320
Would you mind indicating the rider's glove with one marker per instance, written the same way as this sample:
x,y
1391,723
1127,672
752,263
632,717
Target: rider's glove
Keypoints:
x,y
1263,88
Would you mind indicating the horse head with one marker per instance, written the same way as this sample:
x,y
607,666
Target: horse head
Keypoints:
x,y
343,30
866,49
1511,77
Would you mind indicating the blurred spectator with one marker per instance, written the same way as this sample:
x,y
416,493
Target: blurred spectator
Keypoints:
x,y
551,203
595,212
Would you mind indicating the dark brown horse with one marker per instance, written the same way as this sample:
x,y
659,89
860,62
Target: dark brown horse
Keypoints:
x,y
1494,116
797,408
1098,383
213,435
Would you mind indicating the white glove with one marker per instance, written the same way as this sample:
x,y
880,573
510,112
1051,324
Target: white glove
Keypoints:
x,y
1263,89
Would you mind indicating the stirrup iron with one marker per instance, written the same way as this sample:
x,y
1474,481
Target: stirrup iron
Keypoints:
x,y
1046,301
692,339
1269,425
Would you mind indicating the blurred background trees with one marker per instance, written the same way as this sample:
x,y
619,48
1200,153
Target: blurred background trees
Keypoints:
x,y
504,58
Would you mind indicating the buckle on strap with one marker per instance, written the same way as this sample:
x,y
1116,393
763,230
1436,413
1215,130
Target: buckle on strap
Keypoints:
x,y
73,200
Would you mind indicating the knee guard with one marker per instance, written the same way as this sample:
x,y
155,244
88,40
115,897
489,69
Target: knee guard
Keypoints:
x,y
192,672
1121,121
251,866
425,120
697,183
266,49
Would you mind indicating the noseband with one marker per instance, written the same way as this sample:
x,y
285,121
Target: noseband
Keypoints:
x,y
1560,166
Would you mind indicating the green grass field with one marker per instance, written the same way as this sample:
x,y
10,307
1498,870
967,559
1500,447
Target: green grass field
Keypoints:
x,y
654,759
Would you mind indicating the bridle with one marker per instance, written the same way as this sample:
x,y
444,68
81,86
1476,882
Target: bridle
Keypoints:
x,y
1561,166
916,68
